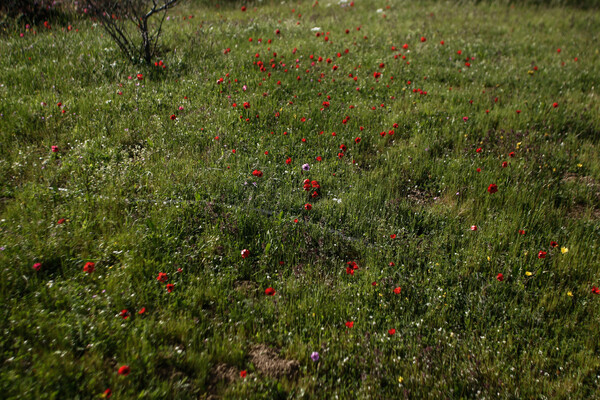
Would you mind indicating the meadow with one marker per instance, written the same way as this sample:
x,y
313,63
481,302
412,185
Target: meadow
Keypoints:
x,y
327,199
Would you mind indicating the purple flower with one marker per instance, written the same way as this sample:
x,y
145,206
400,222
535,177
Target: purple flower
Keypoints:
x,y
314,356
306,167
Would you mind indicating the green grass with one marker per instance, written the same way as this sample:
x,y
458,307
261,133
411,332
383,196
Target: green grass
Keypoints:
x,y
142,194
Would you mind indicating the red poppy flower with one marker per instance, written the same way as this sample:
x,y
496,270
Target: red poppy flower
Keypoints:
x,y
478,150
140,77
270,291
473,227
542,254
308,206
142,311
173,117
423,38
243,8
124,370
61,221
521,232
243,373
493,188
504,164
319,158
124,313
357,140
397,290
257,173
245,253
393,236
54,149
350,324
554,104
595,290
553,244
349,271
89,267
392,331
500,277
511,154
107,393
288,161
37,266
170,287
162,277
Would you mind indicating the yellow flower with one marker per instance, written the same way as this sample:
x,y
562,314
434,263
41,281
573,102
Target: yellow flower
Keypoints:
x,y
489,258
570,294
579,165
400,379
564,250
527,273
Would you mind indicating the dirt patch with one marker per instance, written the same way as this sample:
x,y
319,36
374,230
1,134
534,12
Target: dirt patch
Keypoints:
x,y
246,287
225,373
584,180
419,196
267,362
580,210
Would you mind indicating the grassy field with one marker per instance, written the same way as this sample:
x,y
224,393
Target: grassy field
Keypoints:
x,y
395,271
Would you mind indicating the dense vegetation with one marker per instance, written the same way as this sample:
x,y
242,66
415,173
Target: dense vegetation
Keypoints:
x,y
158,237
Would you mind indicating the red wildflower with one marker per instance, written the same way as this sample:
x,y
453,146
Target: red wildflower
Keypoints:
x,y
257,173
170,287
173,117
350,324
473,227
37,266
140,77
124,313
500,277
392,331
142,311
521,232
54,149
124,370
595,290
107,393
162,277
542,254
397,290
270,291
308,206
243,372
61,221
493,188
349,271
554,104
245,253
553,244
89,267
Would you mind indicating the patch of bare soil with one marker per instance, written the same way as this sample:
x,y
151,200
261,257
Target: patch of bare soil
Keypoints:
x,y
246,287
225,373
267,362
